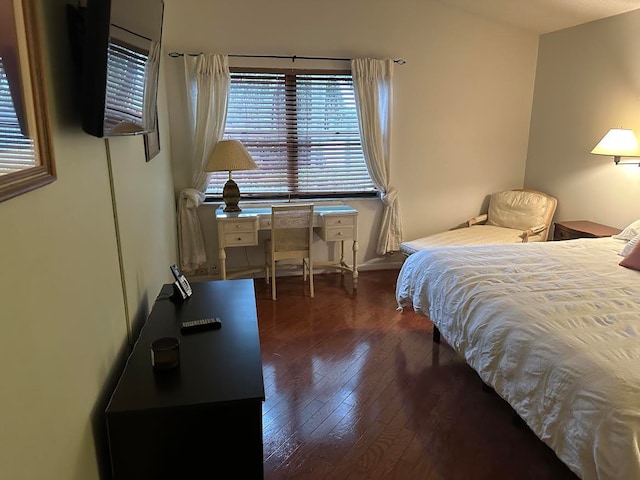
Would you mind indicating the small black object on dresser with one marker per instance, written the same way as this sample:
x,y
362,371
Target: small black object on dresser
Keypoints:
x,y
191,421
193,326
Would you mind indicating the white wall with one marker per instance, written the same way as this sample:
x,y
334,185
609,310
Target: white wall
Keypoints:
x,y
588,81
61,301
462,102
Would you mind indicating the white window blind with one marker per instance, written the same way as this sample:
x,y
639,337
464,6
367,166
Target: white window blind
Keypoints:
x,y
17,151
124,97
301,128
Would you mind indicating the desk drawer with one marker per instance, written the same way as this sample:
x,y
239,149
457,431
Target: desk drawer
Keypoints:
x,y
239,239
337,220
248,225
561,233
334,234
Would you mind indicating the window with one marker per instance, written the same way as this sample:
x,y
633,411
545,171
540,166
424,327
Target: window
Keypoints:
x,y
301,128
17,151
124,97
26,150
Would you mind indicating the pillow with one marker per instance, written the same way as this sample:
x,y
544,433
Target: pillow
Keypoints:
x,y
629,245
633,259
517,209
629,232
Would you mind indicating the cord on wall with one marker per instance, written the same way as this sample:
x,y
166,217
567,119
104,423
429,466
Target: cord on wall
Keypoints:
x,y
116,223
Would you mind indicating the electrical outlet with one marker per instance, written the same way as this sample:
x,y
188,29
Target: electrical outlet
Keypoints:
x,y
213,270
202,271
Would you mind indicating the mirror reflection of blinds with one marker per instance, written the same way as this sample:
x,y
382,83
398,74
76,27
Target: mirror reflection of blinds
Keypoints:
x,y
301,128
124,97
17,152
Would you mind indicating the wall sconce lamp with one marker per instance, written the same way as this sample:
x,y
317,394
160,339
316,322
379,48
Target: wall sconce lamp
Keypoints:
x,y
230,155
618,142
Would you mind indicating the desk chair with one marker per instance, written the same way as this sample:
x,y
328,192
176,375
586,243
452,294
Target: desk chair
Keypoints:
x,y
291,238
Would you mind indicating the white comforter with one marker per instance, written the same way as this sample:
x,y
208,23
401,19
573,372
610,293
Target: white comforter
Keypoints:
x,y
554,328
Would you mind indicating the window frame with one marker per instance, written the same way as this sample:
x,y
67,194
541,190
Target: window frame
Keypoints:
x,y
217,197
32,85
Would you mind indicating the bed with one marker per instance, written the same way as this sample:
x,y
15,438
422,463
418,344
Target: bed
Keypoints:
x,y
554,329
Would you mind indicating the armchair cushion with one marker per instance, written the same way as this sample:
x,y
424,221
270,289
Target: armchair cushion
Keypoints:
x,y
522,210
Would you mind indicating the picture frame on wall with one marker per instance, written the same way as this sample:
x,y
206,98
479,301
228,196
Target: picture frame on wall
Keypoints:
x,y
151,144
26,161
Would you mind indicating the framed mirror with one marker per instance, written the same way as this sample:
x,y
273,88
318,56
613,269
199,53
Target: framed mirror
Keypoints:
x,y
26,152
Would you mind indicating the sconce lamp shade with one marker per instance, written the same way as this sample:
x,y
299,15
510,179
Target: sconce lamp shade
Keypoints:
x,y
230,155
618,142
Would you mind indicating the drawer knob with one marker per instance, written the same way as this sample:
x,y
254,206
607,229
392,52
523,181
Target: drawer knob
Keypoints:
x,y
339,234
239,238
238,225
339,221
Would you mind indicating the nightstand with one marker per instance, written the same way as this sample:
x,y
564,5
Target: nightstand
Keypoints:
x,y
582,229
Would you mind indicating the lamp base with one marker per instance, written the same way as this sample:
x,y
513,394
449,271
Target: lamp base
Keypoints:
x,y
231,196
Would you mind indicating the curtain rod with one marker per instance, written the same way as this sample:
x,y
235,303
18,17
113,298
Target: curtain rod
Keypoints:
x,y
293,58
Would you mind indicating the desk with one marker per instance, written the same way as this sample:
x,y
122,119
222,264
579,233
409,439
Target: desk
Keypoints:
x,y
332,223
194,420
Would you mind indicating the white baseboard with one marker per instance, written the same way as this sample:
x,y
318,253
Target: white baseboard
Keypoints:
x,y
380,266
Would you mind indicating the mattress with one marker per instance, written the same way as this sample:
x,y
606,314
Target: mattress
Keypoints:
x,y
554,328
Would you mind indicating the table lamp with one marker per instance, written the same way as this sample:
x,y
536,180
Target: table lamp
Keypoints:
x,y
230,155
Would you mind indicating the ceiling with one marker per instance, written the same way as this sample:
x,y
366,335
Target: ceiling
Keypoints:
x,y
544,16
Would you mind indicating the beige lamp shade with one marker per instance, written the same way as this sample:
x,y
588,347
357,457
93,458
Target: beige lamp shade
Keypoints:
x,y
230,155
618,142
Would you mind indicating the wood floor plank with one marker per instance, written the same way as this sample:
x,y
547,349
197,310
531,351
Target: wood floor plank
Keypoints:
x,y
356,389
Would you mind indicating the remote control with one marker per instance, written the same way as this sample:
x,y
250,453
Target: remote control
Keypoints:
x,y
203,324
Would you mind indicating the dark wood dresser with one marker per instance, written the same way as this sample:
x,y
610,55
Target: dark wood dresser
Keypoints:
x,y
193,420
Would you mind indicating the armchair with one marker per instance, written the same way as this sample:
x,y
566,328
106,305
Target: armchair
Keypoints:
x,y
513,216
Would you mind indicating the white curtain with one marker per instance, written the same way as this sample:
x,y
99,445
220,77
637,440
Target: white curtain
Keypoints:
x,y
207,81
372,80
151,69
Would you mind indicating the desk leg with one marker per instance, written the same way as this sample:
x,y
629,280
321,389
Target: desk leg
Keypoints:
x,y
355,264
342,264
222,256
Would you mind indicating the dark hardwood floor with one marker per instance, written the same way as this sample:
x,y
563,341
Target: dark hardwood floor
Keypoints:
x,y
355,389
